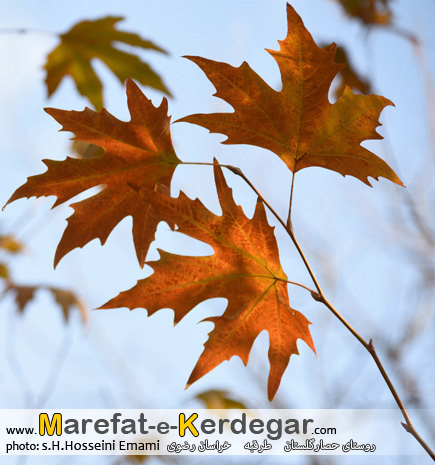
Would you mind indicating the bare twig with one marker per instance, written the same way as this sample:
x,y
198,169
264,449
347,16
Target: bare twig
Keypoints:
x,y
14,362
55,370
320,297
25,30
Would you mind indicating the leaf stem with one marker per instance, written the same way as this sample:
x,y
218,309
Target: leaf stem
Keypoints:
x,y
238,172
319,296
289,218
311,291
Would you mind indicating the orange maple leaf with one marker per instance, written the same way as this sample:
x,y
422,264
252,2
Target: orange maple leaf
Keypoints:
x,y
138,154
298,123
245,269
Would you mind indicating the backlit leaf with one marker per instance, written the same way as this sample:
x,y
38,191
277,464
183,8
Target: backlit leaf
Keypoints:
x,y
137,154
298,123
245,269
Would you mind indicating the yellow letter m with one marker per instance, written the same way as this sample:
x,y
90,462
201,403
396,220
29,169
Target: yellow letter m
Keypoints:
x,y
47,426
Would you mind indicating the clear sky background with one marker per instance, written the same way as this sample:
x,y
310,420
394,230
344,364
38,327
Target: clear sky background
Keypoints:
x,y
123,359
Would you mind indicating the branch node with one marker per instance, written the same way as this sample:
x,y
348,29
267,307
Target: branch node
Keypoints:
x,y
235,170
317,296
371,347
290,227
407,428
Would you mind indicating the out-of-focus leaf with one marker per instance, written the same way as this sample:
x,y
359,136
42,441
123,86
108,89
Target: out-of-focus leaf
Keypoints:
x,y
369,11
349,76
4,271
65,298
136,458
219,400
23,295
10,244
94,39
85,150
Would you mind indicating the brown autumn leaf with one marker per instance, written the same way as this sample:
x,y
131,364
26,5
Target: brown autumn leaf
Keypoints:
x,y
298,123
369,11
88,40
245,269
138,154
23,294
65,298
4,271
349,76
84,150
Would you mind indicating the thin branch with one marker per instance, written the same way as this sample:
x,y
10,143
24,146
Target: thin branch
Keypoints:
x,y
14,362
25,30
55,369
320,297
405,34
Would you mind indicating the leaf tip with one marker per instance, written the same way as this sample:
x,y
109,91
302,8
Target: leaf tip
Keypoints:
x,y
50,110
56,262
196,59
388,102
58,255
11,199
131,85
399,182
290,10
272,388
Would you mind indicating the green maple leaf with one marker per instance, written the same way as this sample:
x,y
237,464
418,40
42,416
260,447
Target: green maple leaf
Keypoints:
x,y
94,39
